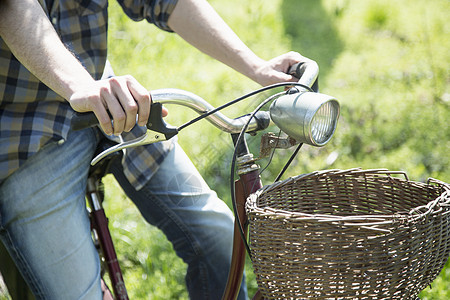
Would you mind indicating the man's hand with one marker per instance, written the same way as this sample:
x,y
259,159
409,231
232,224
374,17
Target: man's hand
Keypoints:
x,y
122,99
275,70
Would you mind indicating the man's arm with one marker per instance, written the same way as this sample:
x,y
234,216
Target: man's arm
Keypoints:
x,y
199,24
32,39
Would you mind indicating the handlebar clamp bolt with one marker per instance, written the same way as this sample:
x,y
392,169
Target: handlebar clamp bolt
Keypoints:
x,y
292,90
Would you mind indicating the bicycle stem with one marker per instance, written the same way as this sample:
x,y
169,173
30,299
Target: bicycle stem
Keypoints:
x,y
249,182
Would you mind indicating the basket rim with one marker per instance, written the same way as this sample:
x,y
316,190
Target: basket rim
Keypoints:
x,y
358,220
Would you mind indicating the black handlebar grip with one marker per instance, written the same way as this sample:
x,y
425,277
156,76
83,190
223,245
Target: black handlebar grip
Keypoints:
x,y
83,120
155,122
297,70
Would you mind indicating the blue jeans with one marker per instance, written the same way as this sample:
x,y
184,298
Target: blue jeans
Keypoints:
x,y
44,225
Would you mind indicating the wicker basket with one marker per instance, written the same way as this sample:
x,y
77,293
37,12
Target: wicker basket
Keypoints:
x,y
354,234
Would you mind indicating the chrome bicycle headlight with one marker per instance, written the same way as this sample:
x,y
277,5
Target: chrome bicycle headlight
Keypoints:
x,y
308,117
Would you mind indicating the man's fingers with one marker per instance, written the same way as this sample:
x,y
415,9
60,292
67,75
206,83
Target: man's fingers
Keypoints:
x,y
126,100
123,97
116,111
164,112
143,99
103,118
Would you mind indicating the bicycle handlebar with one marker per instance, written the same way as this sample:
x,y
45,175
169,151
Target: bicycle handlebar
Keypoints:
x,y
158,130
201,106
186,99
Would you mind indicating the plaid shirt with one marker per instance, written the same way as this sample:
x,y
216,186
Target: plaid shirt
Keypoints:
x,y
32,115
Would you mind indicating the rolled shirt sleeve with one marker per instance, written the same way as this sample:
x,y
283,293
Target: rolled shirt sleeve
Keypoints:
x,y
154,11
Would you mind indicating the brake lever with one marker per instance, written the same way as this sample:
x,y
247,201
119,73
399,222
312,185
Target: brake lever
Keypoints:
x,y
157,130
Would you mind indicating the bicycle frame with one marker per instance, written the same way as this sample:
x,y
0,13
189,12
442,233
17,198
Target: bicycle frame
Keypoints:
x,y
99,224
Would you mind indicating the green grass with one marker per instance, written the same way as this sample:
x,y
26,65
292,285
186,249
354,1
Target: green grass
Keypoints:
x,y
385,61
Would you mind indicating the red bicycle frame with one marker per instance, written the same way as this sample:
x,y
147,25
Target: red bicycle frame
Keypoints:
x,y
249,182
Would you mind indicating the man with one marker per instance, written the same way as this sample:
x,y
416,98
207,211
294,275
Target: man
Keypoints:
x,y
52,56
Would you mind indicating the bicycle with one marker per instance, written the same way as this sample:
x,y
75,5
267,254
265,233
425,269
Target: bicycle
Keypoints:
x,y
312,121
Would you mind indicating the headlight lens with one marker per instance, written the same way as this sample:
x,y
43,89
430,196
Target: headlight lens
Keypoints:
x,y
324,122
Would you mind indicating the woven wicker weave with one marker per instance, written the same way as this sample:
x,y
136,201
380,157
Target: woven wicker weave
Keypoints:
x,y
354,234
